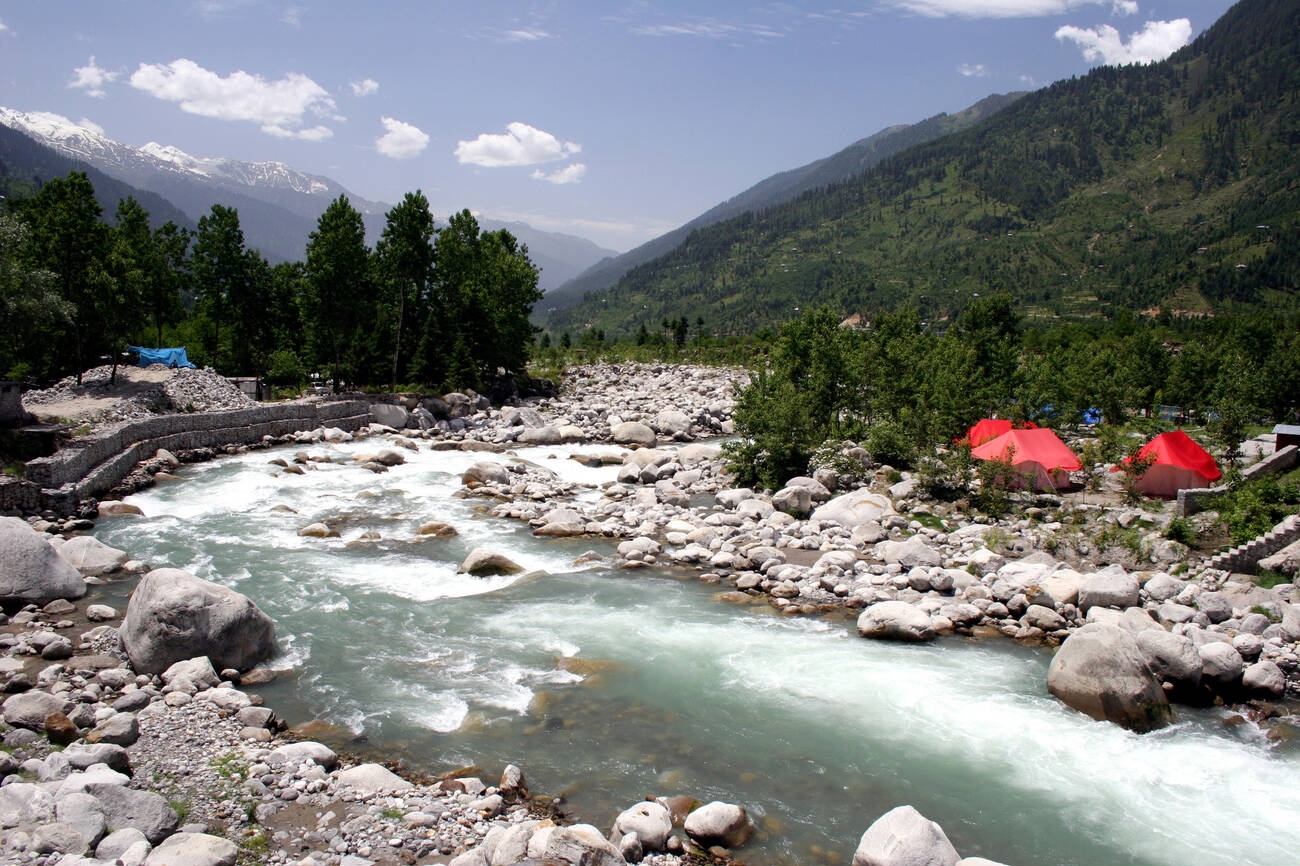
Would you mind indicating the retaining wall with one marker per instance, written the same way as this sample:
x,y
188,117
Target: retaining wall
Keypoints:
x,y
87,467
1245,557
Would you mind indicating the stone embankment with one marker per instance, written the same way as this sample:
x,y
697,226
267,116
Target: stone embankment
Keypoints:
x,y
1139,623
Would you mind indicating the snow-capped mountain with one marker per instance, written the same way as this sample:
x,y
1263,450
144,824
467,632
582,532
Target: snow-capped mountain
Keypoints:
x,y
278,205
87,142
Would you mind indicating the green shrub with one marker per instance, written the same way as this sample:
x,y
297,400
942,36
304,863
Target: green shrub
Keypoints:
x,y
1180,530
284,369
1268,579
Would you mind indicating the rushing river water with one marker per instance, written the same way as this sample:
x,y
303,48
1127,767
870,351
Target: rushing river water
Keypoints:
x,y
605,685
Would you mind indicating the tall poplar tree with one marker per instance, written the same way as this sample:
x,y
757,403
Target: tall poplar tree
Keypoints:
x,y
339,309
404,265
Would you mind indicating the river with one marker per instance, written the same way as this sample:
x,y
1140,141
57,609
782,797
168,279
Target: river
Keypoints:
x,y
606,685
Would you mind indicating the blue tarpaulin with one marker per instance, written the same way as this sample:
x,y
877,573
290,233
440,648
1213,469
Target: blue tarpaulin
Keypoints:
x,y
168,357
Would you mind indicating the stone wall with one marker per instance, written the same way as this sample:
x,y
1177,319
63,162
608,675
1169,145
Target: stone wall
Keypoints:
x,y
18,496
90,466
1283,460
1245,557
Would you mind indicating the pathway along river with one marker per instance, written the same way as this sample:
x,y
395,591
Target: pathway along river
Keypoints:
x,y
606,685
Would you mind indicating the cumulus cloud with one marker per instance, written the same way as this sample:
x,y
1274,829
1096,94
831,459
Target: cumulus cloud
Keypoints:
x,y
402,140
279,106
91,125
973,70
1155,41
364,87
91,78
572,173
520,144
1006,8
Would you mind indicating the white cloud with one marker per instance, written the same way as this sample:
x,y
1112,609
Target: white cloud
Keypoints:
x,y
708,28
572,173
521,144
91,125
402,140
530,34
292,15
973,70
3,27
364,87
278,106
91,78
1006,8
1155,41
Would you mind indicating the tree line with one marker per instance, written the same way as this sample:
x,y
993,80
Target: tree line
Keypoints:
x,y
901,387
436,306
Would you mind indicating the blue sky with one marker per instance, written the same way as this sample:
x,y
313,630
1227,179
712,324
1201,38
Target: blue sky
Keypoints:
x,y
612,121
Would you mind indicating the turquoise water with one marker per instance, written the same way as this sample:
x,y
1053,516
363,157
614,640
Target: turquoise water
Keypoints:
x,y
606,685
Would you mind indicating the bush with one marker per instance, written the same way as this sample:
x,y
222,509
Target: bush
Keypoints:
x,y
284,369
1251,509
1180,530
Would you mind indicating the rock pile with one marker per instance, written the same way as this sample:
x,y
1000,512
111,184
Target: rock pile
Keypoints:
x,y
155,390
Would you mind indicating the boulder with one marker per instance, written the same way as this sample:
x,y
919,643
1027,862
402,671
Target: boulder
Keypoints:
x,y
540,436
673,424
23,804
578,845
633,433
31,570
484,563
119,729
194,849
854,509
485,472
437,529
793,500
1172,658
144,810
31,709
92,557
904,837
174,616
651,823
390,415
1264,678
372,778
82,813
1100,670
1221,665
895,620
1110,587
908,553
191,675
295,753
116,508
719,823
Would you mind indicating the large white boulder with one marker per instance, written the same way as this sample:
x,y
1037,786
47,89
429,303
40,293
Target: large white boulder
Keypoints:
x,y
31,570
174,616
854,509
92,557
895,620
904,837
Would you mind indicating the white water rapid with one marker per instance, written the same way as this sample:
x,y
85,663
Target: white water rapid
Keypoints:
x,y
606,685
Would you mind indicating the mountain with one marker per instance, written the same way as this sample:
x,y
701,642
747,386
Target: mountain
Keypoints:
x,y
278,205
782,187
1169,186
26,164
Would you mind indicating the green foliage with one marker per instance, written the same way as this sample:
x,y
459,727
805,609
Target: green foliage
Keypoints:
x,y
285,370
1253,508
1268,579
1138,187
1180,530
338,303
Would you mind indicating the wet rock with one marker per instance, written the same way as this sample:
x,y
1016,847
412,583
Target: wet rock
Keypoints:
x,y
318,530
651,822
904,837
485,472
483,563
1100,670
719,823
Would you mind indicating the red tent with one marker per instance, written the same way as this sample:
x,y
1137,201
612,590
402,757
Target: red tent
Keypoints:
x,y
1035,452
1179,464
990,429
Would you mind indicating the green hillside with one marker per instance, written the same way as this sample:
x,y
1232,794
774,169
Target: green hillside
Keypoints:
x,y
1173,185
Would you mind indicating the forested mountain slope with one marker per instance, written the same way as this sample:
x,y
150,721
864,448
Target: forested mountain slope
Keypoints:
x,y
779,188
1171,185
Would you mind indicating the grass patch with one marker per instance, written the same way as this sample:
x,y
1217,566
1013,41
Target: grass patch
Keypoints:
x,y
1267,579
392,812
181,808
230,766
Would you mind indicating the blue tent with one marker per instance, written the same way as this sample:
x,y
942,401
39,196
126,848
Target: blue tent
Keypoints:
x,y
167,357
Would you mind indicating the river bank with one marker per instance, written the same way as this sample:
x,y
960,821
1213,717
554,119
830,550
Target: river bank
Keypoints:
x,y
670,507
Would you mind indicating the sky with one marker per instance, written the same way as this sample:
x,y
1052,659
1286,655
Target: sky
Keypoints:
x,y
612,121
